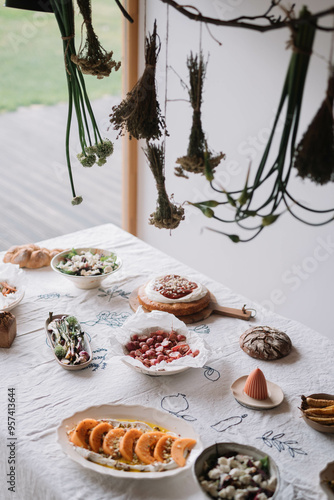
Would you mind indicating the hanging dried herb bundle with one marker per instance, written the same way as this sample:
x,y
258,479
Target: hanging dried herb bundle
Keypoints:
x,y
259,202
167,214
139,113
199,159
93,59
94,149
314,158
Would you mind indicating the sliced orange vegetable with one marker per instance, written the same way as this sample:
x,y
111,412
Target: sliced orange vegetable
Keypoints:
x,y
110,443
180,448
163,447
127,443
97,435
145,446
80,435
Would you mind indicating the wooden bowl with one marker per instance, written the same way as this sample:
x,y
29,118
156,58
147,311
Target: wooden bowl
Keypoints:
x,y
316,425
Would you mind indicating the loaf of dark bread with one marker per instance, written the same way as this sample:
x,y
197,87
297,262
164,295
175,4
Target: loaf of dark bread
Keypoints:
x,y
265,342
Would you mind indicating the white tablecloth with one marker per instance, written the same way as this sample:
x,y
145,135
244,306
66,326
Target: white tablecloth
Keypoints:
x,y
45,393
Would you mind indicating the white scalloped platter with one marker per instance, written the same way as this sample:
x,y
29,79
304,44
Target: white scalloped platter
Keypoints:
x,y
128,412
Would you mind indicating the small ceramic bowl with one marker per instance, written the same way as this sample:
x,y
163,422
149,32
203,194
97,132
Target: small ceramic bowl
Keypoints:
x,y
221,449
315,425
86,345
85,282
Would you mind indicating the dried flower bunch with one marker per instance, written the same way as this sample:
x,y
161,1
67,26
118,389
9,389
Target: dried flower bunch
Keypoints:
x,y
167,214
253,201
314,156
139,113
93,59
199,159
94,149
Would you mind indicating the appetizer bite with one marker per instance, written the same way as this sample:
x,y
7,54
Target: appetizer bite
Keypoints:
x,y
87,263
174,294
159,346
68,340
130,445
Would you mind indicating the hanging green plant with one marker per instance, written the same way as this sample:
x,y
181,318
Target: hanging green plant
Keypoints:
x,y
252,201
167,214
314,155
93,59
199,159
139,113
94,149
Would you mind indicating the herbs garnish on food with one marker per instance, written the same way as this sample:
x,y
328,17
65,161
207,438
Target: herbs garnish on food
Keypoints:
x,y
68,340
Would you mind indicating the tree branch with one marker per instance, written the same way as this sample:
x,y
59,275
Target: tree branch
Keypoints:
x,y
274,23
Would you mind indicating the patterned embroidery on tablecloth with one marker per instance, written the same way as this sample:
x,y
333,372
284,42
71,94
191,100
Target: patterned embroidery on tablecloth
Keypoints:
x,y
113,292
177,404
98,361
226,423
112,319
276,442
211,373
54,295
201,329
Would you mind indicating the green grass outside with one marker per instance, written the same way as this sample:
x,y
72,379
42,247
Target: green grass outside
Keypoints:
x,y
32,60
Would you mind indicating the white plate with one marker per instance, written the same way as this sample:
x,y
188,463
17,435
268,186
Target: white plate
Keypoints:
x,y
128,412
275,398
18,297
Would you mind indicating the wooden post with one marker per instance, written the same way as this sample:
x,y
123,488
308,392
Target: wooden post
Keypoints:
x,y
130,148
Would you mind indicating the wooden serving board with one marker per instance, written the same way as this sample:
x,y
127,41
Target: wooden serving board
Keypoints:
x,y
212,308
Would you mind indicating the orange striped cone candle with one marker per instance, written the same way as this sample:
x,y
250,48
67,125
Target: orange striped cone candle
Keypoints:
x,y
256,385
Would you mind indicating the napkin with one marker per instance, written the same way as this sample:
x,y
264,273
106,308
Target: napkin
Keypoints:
x,y
144,323
14,276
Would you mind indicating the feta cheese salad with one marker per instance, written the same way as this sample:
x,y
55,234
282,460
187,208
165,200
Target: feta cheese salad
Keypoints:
x,y
238,477
87,263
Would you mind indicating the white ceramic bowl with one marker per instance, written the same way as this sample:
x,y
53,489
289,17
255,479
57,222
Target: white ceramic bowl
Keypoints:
x,y
84,282
219,449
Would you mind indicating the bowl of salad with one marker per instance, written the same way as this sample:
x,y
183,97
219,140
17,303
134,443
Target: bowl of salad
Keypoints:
x,y
86,267
236,471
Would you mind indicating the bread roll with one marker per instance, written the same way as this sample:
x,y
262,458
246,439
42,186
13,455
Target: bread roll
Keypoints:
x,y
30,256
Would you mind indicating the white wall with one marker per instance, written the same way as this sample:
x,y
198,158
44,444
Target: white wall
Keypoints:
x,y
289,267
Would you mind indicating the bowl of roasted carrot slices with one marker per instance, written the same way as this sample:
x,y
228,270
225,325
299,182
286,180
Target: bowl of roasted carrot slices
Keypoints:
x,y
318,411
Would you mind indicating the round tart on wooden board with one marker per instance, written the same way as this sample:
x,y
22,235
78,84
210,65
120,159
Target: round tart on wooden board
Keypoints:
x,y
265,342
174,294
187,299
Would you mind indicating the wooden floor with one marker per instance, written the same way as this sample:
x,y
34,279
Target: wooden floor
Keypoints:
x,y
35,190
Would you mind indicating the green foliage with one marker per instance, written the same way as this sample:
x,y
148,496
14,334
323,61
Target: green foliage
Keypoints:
x,y
31,55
